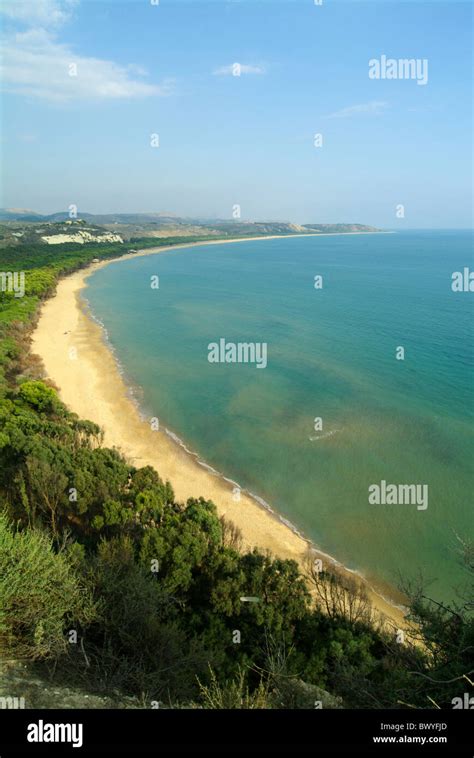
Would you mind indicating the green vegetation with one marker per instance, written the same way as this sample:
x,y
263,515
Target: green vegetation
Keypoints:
x,y
39,591
107,581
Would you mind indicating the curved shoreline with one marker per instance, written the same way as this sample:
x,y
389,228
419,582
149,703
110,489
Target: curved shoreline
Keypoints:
x,y
92,385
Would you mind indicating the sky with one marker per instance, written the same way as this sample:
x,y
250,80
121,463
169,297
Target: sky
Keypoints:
x,y
136,106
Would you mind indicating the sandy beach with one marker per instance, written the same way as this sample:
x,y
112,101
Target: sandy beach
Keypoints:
x,y
77,360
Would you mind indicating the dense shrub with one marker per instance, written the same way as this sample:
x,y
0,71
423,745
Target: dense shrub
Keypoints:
x,y
41,597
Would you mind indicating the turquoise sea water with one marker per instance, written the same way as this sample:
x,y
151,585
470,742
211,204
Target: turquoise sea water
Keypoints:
x,y
331,354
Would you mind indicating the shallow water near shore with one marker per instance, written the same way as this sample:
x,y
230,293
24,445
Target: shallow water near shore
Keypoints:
x,y
331,354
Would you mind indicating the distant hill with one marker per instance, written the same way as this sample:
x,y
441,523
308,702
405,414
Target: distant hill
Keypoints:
x,y
167,218
19,214
22,227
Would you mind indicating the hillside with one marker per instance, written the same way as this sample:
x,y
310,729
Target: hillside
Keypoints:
x,y
24,227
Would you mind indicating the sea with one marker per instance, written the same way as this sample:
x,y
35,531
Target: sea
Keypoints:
x,y
357,428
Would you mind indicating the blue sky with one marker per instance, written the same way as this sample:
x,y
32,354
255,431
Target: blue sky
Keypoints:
x,y
224,140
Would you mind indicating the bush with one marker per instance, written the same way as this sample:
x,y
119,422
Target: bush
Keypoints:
x,y
41,597
138,645
38,395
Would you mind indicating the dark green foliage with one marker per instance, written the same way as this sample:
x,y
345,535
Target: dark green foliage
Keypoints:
x,y
447,633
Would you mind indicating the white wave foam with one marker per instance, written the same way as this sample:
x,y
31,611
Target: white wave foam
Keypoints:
x,y
323,436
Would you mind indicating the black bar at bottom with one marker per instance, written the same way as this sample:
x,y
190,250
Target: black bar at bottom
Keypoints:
x,y
142,732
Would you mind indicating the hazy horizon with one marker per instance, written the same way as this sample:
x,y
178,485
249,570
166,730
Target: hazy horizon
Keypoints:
x,y
258,219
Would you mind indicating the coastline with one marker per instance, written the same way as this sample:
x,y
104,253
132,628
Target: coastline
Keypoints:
x,y
93,387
